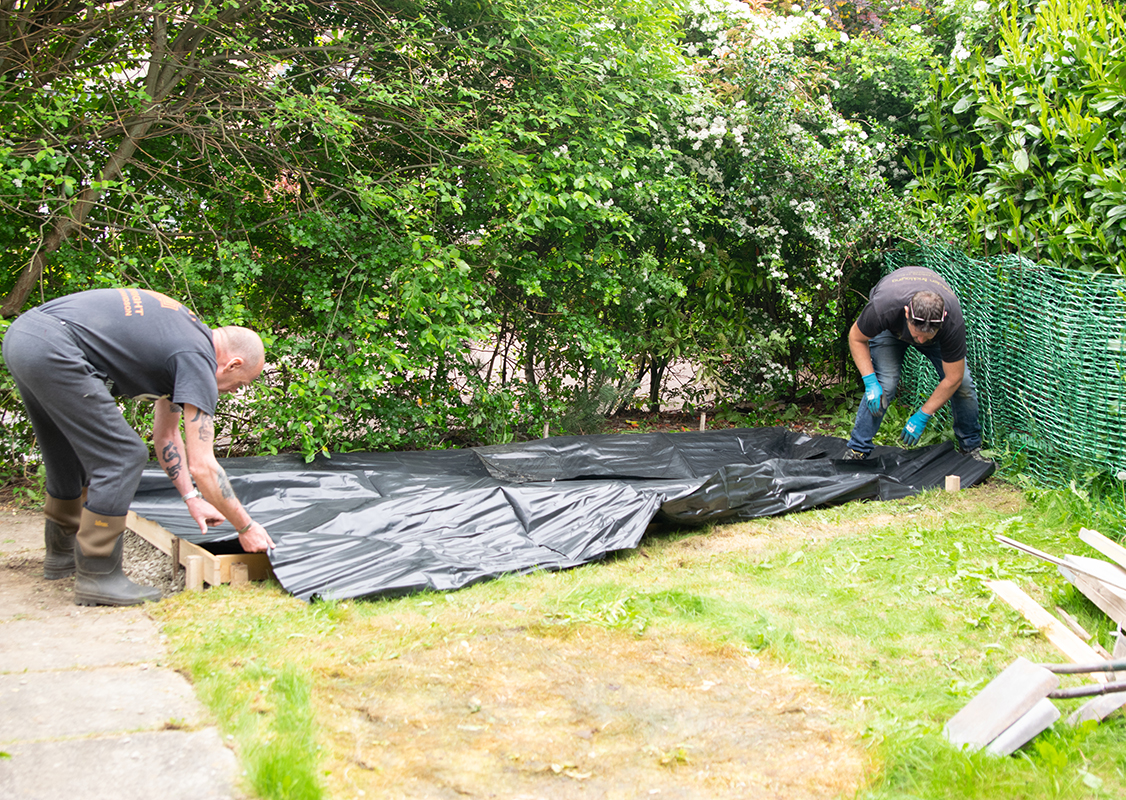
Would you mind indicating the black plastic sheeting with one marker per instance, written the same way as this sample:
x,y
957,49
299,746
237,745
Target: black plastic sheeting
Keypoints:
x,y
380,524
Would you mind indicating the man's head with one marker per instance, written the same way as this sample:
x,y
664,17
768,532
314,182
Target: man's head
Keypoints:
x,y
239,355
925,314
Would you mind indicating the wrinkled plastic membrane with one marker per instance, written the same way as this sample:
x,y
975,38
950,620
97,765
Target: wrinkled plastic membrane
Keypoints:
x,y
380,524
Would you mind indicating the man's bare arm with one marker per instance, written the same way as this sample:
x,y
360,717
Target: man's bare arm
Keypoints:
x,y
212,480
953,373
169,444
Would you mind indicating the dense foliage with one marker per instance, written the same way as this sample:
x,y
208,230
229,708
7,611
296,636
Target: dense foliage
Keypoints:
x,y
1024,145
451,221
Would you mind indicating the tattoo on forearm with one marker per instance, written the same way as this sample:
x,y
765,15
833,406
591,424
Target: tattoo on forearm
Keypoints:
x,y
225,484
206,426
170,459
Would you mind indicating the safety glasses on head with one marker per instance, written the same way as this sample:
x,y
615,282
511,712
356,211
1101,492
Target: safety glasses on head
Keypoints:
x,y
915,318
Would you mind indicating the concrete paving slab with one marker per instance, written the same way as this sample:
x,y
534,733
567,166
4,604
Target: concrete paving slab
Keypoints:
x,y
170,765
87,709
78,641
47,705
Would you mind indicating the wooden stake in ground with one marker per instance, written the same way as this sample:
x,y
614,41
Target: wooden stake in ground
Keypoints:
x,y
239,575
193,580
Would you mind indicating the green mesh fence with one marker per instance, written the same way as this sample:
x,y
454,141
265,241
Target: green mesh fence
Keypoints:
x,y
1047,349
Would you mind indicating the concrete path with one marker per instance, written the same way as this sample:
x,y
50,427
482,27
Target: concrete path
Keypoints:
x,y
88,707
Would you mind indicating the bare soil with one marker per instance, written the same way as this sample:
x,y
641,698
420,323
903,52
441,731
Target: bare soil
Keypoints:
x,y
596,714
23,587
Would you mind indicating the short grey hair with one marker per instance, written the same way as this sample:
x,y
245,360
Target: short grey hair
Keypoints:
x,y
927,311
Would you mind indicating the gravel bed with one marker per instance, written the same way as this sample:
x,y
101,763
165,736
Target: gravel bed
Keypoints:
x,y
145,564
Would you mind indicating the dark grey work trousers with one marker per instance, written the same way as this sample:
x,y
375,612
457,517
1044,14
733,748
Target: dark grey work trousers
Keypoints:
x,y
82,434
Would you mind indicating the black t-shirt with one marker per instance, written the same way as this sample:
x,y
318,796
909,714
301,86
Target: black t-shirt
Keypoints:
x,y
884,311
145,344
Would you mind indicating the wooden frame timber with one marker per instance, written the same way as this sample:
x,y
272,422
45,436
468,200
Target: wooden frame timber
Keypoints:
x,y
216,569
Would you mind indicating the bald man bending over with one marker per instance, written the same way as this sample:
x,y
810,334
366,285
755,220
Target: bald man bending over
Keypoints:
x,y
70,358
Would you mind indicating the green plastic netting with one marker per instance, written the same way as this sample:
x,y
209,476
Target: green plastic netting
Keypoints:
x,y
1047,350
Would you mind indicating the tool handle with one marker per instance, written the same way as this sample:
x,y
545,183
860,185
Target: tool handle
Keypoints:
x,y
1089,690
1075,669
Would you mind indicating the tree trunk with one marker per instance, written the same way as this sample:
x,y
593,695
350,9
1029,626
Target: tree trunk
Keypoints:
x,y
67,224
657,376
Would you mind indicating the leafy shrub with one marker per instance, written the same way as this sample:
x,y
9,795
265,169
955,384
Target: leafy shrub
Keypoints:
x,y
1024,148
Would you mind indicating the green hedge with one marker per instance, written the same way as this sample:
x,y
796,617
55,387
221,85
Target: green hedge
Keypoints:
x,y
1024,146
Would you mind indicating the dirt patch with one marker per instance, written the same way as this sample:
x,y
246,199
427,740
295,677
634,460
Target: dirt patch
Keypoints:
x,y
597,714
25,592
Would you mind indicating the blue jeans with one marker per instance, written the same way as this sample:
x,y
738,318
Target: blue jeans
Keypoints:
x,y
887,357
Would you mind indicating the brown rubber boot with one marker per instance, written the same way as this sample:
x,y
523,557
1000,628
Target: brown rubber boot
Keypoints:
x,y
100,581
59,529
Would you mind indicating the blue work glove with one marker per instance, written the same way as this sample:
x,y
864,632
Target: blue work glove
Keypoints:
x,y
873,393
914,427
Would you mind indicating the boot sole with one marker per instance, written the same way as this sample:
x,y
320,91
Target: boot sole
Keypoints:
x,y
105,601
58,574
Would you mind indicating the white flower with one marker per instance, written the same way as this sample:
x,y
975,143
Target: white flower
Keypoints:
x,y
917,28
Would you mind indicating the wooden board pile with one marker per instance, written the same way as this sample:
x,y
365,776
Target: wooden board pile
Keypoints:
x,y
1017,705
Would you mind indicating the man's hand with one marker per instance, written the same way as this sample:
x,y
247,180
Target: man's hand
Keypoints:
x,y
255,539
873,392
914,427
204,513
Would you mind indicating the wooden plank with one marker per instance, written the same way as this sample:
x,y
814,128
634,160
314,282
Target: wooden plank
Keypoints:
x,y
1078,651
1090,576
1004,700
215,569
1073,623
1038,719
1082,632
1098,708
1118,583
1109,548
152,533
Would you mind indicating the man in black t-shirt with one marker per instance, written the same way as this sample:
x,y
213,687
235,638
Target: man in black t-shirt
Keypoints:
x,y
70,358
912,307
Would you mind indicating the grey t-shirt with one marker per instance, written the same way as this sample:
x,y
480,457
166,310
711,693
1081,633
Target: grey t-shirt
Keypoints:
x,y
884,311
146,345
